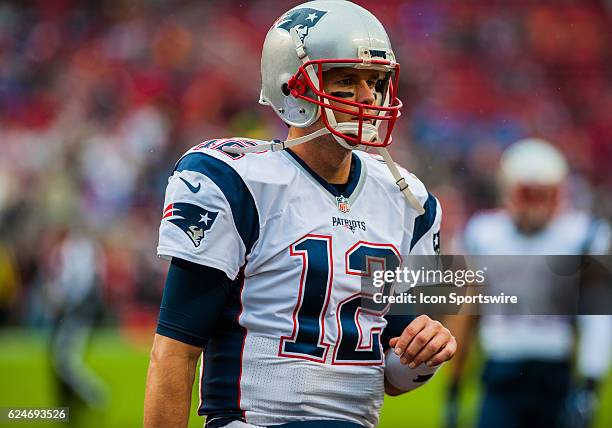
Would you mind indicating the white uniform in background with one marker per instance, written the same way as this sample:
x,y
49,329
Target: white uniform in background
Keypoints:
x,y
541,337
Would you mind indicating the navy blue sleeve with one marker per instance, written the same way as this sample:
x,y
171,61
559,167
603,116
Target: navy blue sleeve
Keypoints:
x,y
395,327
194,296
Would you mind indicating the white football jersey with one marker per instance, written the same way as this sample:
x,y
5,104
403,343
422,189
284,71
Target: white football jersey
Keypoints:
x,y
294,344
512,338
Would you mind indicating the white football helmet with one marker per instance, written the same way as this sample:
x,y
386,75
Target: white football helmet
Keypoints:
x,y
532,161
532,172
314,37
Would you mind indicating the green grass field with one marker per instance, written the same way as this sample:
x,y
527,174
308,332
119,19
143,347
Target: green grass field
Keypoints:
x,y
25,381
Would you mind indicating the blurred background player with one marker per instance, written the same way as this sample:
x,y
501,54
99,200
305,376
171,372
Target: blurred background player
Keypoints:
x,y
528,377
73,296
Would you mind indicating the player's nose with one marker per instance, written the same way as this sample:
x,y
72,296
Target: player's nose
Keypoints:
x,y
365,94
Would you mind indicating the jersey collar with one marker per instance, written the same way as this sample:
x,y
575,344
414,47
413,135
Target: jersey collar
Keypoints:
x,y
355,181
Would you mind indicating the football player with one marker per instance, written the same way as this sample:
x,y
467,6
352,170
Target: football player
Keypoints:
x,y
528,372
269,243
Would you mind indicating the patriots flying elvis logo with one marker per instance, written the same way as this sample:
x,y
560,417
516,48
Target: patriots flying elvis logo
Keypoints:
x,y
302,19
192,219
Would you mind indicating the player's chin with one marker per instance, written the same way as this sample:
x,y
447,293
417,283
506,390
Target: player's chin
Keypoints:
x,y
354,135
351,143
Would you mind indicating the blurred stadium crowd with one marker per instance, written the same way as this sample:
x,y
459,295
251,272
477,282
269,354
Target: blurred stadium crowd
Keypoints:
x,y
98,99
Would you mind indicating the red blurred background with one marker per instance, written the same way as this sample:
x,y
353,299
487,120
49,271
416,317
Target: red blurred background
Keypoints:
x,y
99,98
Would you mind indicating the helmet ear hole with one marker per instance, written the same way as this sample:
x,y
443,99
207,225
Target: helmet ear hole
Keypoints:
x,y
285,89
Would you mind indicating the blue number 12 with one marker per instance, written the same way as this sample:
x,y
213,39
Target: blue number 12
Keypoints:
x,y
316,282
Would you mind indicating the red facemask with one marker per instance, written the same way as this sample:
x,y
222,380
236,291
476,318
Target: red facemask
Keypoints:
x,y
301,82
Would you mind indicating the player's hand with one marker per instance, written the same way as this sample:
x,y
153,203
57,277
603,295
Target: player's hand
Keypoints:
x,y
424,341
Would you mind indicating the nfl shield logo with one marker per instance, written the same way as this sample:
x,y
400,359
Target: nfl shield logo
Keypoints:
x,y
343,204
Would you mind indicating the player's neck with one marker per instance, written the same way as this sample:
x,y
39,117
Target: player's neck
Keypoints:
x,y
328,159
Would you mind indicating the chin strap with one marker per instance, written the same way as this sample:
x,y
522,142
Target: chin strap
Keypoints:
x,y
276,146
400,181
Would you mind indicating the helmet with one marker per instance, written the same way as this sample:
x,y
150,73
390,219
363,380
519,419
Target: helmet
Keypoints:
x,y
532,171
532,162
314,37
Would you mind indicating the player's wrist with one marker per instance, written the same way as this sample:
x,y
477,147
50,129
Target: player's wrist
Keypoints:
x,y
402,377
